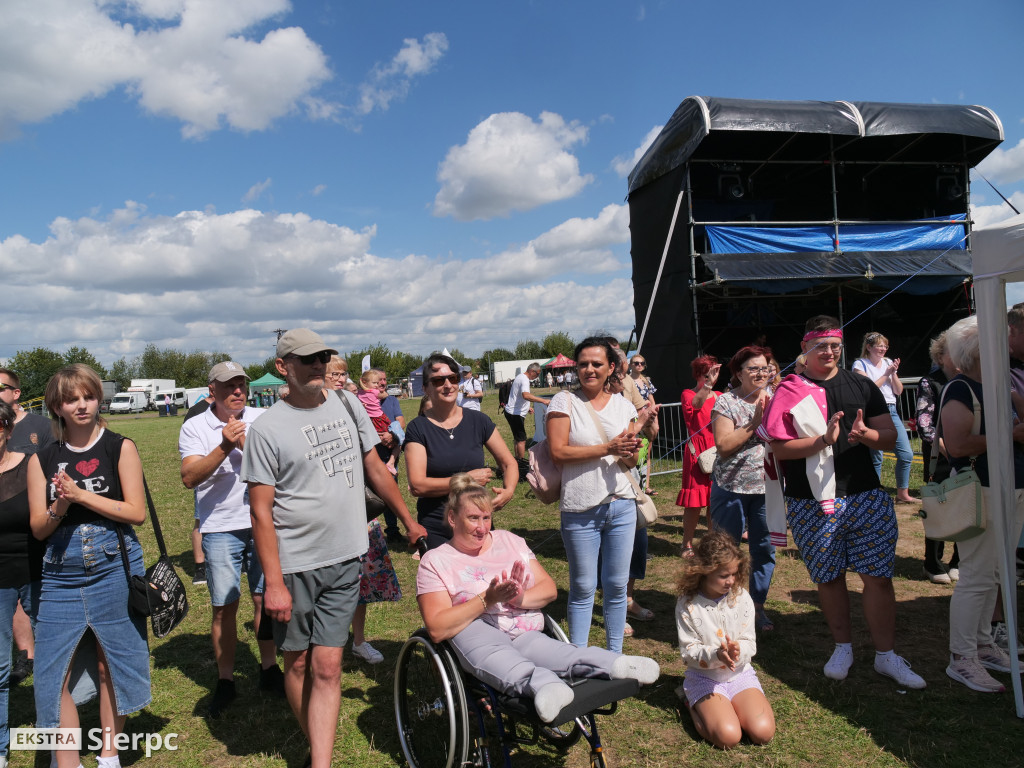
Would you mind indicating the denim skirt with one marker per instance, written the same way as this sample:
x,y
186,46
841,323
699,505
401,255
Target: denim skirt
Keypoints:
x,y
85,589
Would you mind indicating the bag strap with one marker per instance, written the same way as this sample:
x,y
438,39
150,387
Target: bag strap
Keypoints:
x,y
604,436
975,405
348,406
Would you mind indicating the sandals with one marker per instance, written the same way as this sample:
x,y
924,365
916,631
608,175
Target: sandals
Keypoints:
x,y
636,611
687,551
761,621
628,631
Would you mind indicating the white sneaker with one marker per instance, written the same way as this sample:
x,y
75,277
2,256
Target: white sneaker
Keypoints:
x,y
838,667
368,653
899,670
970,672
1001,637
954,574
993,657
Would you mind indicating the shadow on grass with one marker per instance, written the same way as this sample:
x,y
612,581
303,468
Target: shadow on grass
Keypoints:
x,y
943,725
256,723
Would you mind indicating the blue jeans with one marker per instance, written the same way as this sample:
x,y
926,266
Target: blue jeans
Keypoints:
x,y
904,453
28,594
728,511
606,530
228,554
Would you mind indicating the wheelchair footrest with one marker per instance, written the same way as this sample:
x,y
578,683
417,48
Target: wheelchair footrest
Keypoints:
x,y
590,695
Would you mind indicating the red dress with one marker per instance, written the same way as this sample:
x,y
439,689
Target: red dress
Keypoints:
x,y
696,490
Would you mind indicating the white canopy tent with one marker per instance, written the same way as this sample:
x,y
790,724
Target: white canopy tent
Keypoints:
x,y
998,257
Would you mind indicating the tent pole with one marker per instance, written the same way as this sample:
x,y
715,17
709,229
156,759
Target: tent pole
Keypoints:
x,y
991,294
842,323
661,269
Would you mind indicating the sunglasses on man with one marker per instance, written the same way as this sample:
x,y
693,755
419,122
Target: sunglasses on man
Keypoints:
x,y
321,357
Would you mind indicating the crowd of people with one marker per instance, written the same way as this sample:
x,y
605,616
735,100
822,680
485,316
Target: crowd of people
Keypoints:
x,y
280,497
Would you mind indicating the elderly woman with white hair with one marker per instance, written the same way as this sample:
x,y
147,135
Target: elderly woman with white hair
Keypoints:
x,y
962,431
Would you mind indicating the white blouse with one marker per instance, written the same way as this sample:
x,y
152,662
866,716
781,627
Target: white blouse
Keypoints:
x,y
586,484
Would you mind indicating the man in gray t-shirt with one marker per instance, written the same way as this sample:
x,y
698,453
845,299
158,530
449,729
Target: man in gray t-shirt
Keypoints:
x,y
304,463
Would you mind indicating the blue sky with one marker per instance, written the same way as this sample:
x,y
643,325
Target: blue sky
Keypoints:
x,y
198,173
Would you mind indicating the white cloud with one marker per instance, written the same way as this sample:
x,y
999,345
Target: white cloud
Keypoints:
x,y
201,280
510,163
992,214
318,190
187,60
392,81
256,191
1005,165
623,164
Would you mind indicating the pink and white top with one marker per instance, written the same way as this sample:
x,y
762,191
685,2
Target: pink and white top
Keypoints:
x,y
371,402
463,577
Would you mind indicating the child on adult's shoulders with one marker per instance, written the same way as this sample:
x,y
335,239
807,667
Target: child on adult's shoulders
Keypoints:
x,y
715,622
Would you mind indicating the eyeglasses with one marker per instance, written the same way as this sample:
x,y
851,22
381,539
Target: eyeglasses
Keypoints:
x,y
438,381
321,357
638,363
755,370
336,375
6,386
828,347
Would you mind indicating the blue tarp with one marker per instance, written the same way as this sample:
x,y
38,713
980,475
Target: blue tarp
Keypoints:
x,y
852,237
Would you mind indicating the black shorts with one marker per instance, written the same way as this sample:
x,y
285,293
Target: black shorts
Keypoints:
x,y
518,424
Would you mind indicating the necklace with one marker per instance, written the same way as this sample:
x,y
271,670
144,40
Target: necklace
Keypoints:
x,y
451,432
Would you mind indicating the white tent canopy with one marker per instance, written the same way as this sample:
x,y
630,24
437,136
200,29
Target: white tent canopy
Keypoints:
x,y
998,256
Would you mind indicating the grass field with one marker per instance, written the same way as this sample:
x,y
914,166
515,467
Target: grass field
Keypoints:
x,y
863,721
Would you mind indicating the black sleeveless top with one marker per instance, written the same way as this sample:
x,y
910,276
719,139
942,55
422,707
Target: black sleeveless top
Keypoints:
x,y
94,469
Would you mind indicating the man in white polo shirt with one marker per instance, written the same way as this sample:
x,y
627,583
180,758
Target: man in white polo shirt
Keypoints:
x,y
211,446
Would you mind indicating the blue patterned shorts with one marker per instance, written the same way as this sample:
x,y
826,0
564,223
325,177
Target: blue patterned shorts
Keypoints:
x,y
860,536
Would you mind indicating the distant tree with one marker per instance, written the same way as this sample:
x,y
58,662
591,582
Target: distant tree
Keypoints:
x,y
558,342
380,357
83,355
35,368
156,363
498,355
258,370
460,357
123,371
196,367
528,349
402,364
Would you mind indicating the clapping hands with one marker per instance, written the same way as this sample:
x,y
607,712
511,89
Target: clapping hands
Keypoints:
x,y
729,653
510,587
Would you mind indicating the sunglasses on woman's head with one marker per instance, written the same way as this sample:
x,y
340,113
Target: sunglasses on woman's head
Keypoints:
x,y
323,357
437,381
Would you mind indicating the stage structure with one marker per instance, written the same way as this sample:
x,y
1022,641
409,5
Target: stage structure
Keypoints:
x,y
749,216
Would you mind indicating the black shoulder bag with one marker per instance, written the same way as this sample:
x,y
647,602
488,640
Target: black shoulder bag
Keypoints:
x,y
161,593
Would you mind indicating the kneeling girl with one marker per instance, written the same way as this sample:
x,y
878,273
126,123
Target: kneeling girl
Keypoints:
x,y
715,622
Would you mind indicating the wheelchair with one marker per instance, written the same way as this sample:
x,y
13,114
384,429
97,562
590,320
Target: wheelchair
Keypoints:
x,y
435,700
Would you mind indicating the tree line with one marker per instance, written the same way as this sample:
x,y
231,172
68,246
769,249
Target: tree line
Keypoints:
x,y
35,367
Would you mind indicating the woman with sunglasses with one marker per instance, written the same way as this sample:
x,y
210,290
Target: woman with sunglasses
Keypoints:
x,y
885,372
446,439
737,480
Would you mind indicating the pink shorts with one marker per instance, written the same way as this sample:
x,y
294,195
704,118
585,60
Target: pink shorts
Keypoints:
x,y
697,686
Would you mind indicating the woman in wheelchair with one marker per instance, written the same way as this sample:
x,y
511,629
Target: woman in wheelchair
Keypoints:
x,y
715,621
483,592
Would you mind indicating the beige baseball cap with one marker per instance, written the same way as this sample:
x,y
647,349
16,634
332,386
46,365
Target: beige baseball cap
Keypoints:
x,y
302,341
226,371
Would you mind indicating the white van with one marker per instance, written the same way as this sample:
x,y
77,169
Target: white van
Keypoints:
x,y
128,402
178,398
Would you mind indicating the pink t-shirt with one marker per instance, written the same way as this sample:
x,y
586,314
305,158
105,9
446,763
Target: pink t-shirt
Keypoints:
x,y
463,577
370,401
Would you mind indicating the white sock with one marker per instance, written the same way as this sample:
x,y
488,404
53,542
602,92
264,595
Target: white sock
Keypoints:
x,y
639,668
883,654
550,700
108,762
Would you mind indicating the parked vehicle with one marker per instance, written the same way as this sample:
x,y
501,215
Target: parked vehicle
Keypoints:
x,y
194,394
150,388
179,398
109,390
129,402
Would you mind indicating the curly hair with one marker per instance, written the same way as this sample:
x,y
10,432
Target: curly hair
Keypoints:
x,y
714,551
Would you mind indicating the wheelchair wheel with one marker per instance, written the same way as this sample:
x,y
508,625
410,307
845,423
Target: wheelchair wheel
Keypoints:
x,y
564,735
430,706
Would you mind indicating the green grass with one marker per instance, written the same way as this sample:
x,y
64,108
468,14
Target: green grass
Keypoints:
x,y
864,721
